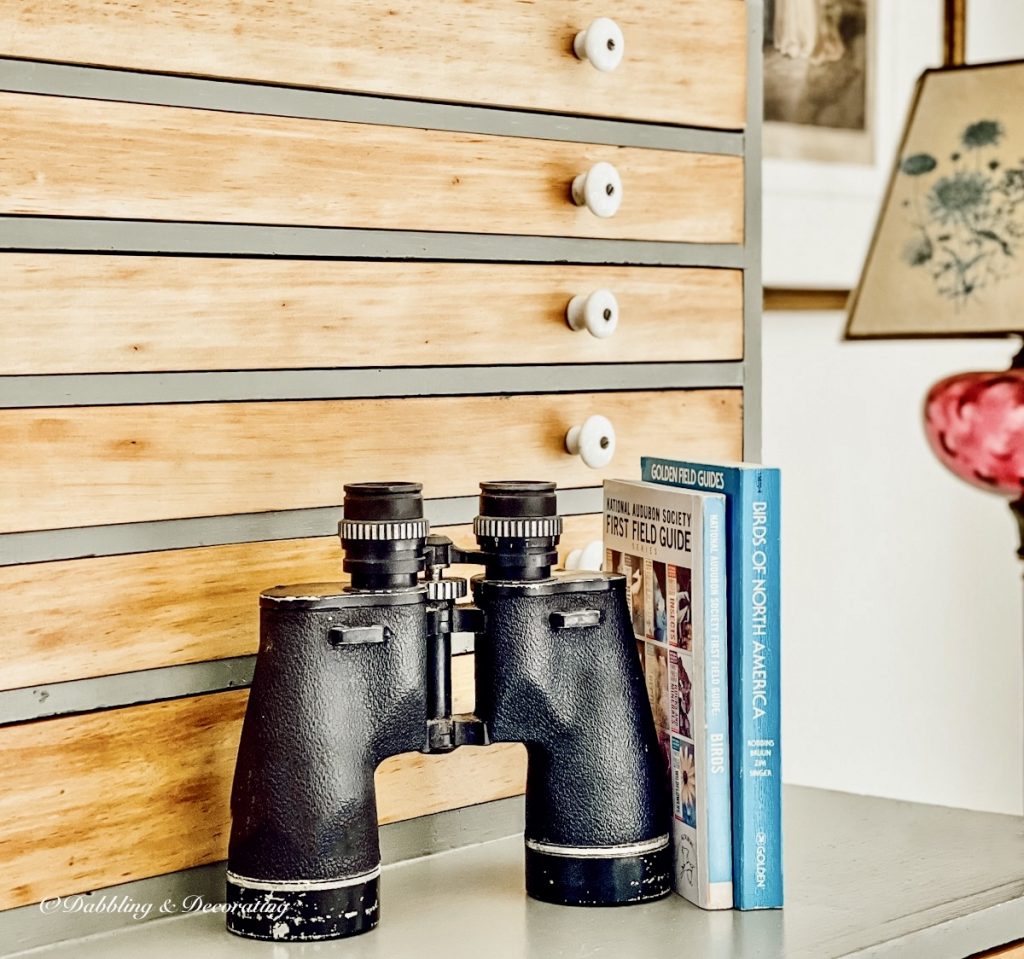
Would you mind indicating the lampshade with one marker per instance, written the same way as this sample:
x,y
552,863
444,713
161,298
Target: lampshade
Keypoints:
x,y
947,258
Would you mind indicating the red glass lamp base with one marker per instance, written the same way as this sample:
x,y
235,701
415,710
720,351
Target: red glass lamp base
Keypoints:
x,y
975,425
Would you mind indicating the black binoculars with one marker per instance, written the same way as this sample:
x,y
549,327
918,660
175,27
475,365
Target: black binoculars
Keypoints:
x,y
350,674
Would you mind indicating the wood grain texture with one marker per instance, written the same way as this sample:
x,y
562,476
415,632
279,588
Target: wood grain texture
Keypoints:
x,y
96,800
685,61
1013,951
146,610
91,158
954,33
814,300
152,313
86,466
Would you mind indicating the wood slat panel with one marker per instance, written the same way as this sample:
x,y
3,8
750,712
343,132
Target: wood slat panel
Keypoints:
x,y
92,465
816,300
69,157
685,62
161,609
1014,951
139,313
91,801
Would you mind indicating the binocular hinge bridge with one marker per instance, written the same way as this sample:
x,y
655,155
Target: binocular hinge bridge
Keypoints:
x,y
446,731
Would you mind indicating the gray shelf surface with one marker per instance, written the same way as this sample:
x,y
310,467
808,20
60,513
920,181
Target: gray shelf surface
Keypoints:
x,y
865,877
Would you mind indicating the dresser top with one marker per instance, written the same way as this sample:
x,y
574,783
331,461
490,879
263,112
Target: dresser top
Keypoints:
x,y
864,877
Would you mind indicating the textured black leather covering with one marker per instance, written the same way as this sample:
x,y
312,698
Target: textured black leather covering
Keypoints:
x,y
576,698
320,718
325,710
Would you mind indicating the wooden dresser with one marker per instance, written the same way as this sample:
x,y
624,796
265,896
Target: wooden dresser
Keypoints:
x,y
253,251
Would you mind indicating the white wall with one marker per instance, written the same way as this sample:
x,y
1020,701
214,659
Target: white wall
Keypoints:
x,y
902,663
995,30
824,214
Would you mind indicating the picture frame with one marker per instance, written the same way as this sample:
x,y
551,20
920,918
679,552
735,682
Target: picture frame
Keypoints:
x,y
819,77
819,215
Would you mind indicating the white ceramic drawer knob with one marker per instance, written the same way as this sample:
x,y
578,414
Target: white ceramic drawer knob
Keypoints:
x,y
599,190
590,557
593,441
597,313
601,43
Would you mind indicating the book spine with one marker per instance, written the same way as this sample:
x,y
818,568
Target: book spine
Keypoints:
x,y
753,501
757,785
716,767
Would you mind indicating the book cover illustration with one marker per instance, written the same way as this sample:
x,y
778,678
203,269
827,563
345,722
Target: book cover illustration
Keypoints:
x,y
752,494
670,546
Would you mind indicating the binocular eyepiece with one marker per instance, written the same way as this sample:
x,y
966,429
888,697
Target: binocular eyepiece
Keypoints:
x,y
384,532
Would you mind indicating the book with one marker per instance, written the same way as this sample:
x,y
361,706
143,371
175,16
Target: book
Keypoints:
x,y
752,495
671,545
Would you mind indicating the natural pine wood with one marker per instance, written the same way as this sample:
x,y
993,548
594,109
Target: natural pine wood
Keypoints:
x,y
1013,951
91,158
146,610
130,314
95,800
816,300
685,62
954,33
92,465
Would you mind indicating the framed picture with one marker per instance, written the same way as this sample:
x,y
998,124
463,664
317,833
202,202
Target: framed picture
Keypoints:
x,y
839,75
819,73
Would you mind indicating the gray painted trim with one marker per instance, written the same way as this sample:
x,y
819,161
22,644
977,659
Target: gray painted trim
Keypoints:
x,y
69,80
107,389
124,689
142,686
40,546
963,935
85,235
752,291
27,927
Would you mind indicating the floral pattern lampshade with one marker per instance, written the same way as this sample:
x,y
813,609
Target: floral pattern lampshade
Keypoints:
x,y
947,258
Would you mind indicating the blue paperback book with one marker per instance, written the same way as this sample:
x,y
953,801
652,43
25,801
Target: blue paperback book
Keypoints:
x,y
752,523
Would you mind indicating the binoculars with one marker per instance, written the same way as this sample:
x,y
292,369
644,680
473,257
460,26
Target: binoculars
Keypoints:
x,y
350,674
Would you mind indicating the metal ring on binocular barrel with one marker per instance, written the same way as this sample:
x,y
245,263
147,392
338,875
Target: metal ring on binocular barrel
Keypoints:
x,y
302,910
599,875
601,852
519,527
383,553
383,530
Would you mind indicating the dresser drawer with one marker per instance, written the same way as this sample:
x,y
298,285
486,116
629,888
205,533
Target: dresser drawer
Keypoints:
x,y
93,158
684,61
169,607
93,465
122,794
95,314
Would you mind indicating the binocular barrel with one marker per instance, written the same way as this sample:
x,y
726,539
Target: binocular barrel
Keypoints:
x,y
350,674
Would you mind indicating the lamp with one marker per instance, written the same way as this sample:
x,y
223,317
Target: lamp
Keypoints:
x,y
947,257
